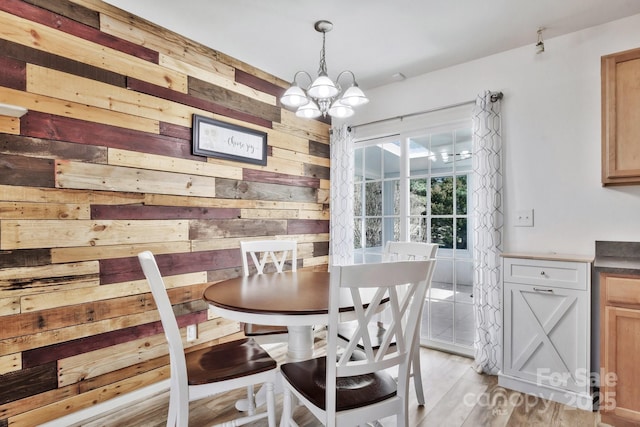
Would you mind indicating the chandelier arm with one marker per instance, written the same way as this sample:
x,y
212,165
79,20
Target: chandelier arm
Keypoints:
x,y
353,76
304,73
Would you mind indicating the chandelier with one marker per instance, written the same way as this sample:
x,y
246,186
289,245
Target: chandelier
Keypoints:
x,y
323,96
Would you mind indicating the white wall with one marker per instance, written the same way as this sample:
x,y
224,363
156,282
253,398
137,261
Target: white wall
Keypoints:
x,y
551,134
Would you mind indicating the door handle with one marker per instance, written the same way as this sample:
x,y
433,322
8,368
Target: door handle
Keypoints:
x,y
543,290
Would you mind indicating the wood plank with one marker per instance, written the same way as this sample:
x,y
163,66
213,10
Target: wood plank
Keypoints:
x,y
27,382
47,149
258,84
175,131
10,363
80,131
160,212
116,178
22,170
75,254
72,11
50,195
316,171
26,54
21,281
323,214
168,200
203,104
14,74
48,319
209,92
269,214
304,226
44,113
24,258
26,210
27,33
232,189
324,196
126,269
211,229
30,234
133,159
300,157
224,79
320,149
279,178
320,249
9,306
10,125
60,21
56,84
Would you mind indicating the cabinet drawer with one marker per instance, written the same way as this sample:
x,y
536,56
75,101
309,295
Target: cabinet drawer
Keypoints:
x,y
622,291
562,274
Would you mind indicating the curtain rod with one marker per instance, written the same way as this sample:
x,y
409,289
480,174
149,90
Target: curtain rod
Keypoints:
x,y
494,97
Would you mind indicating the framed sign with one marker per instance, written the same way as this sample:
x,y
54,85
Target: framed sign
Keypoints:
x,y
213,138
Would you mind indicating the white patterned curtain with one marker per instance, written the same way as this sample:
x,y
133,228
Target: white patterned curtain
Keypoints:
x,y
341,231
487,232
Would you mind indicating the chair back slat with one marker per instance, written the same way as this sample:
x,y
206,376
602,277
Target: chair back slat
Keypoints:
x,y
407,251
264,252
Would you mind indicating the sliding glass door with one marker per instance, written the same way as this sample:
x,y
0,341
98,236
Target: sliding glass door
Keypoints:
x,y
417,186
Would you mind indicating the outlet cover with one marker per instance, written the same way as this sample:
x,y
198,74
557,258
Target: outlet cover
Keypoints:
x,y
192,332
524,218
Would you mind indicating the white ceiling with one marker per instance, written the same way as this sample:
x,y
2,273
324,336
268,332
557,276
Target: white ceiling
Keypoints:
x,y
373,38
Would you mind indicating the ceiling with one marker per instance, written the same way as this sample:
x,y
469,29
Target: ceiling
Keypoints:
x,y
373,38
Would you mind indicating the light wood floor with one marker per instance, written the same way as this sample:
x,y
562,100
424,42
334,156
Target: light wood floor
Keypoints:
x,y
456,396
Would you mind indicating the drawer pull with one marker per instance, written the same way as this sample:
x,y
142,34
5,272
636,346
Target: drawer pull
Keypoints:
x,y
543,290
542,273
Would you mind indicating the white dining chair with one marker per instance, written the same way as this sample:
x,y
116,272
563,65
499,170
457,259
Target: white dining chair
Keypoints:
x,y
272,255
398,251
351,386
211,370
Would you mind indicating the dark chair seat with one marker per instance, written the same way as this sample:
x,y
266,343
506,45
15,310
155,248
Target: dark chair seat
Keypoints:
x,y
309,376
226,361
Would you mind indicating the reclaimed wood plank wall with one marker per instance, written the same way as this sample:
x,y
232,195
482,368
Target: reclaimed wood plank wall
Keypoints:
x,y
101,168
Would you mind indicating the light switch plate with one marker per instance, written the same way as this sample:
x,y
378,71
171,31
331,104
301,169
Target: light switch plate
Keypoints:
x,y
524,218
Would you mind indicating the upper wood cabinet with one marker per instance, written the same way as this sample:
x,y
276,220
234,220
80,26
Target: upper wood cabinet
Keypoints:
x,y
621,118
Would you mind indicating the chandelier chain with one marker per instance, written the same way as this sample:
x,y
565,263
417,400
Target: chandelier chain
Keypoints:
x,y
322,70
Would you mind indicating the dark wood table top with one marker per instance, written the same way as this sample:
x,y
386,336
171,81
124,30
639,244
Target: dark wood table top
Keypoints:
x,y
287,293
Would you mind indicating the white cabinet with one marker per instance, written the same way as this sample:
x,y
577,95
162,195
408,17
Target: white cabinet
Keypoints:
x,y
546,321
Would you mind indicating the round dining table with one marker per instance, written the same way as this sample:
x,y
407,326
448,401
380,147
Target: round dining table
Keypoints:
x,y
297,300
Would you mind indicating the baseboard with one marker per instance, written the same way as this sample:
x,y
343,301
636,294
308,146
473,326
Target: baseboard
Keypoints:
x,y
566,397
110,405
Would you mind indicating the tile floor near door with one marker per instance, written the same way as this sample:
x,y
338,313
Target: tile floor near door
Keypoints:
x,y
456,396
